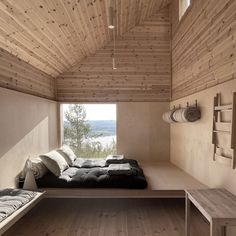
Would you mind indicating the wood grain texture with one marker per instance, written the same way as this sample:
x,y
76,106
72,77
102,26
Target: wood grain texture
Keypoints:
x,y
113,217
18,75
218,204
53,35
164,175
218,207
203,46
143,68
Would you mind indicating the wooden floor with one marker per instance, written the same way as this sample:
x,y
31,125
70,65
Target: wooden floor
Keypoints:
x,y
108,217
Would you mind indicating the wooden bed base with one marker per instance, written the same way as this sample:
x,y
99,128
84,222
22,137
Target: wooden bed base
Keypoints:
x,y
13,218
112,193
165,180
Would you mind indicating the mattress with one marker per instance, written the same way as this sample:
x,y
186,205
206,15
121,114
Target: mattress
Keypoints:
x,y
95,177
13,199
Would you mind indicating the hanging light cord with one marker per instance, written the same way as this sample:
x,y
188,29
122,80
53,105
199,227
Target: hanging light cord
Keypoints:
x,y
114,48
111,26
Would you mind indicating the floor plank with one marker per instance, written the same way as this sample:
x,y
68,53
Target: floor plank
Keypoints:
x,y
108,217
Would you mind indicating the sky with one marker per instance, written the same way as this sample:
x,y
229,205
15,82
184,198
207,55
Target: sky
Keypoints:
x,y
98,111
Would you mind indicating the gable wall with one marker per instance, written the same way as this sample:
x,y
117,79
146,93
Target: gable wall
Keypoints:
x,y
143,68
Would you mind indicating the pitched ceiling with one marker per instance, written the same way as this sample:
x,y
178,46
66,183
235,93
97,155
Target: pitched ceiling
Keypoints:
x,y
142,59
53,35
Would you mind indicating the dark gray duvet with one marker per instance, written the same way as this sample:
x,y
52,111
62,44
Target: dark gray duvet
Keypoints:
x,y
95,177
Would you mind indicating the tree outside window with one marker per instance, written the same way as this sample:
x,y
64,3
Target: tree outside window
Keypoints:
x,y
86,137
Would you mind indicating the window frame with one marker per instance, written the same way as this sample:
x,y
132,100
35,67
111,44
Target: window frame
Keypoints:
x,y
60,117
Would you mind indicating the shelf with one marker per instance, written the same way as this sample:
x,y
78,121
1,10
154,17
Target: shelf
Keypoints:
x,y
224,160
224,108
224,126
223,133
229,150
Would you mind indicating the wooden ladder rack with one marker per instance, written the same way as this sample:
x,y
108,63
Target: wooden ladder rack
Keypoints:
x,y
223,133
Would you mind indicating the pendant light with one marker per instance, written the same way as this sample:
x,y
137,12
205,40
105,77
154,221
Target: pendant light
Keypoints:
x,y
111,21
113,63
111,26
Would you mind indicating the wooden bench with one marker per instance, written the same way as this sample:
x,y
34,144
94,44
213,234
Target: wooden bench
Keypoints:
x,y
217,205
13,218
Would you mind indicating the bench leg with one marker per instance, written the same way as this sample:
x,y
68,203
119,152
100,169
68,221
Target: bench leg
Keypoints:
x,y
187,216
216,229
224,231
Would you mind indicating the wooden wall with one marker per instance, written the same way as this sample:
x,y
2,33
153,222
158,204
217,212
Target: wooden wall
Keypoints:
x,y
191,143
143,68
18,75
203,46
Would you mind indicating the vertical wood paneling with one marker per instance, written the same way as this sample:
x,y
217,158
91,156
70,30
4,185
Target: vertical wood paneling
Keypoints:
x,y
20,76
143,67
203,46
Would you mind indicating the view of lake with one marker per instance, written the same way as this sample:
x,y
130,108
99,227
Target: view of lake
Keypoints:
x,y
105,128
90,138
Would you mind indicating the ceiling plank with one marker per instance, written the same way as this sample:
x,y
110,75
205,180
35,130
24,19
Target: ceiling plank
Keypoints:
x,y
54,35
143,67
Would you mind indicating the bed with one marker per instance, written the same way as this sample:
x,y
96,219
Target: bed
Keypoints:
x,y
61,168
95,175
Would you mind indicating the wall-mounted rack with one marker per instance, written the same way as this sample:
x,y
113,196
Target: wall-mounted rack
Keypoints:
x,y
187,105
223,133
180,115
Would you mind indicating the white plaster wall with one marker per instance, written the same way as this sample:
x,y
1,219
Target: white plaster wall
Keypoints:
x,y
28,126
141,133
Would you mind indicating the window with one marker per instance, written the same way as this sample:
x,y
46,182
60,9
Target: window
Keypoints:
x,y
90,129
183,6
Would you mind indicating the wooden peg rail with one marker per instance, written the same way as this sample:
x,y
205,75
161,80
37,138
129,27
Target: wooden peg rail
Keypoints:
x,y
223,133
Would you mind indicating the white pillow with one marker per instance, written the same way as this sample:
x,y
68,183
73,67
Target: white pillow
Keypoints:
x,y
37,167
68,154
55,162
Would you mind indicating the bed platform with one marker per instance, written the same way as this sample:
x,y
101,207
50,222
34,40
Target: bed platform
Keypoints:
x,y
93,176
165,180
14,217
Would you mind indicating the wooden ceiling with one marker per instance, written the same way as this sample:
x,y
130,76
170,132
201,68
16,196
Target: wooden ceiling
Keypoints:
x,y
53,35
143,67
